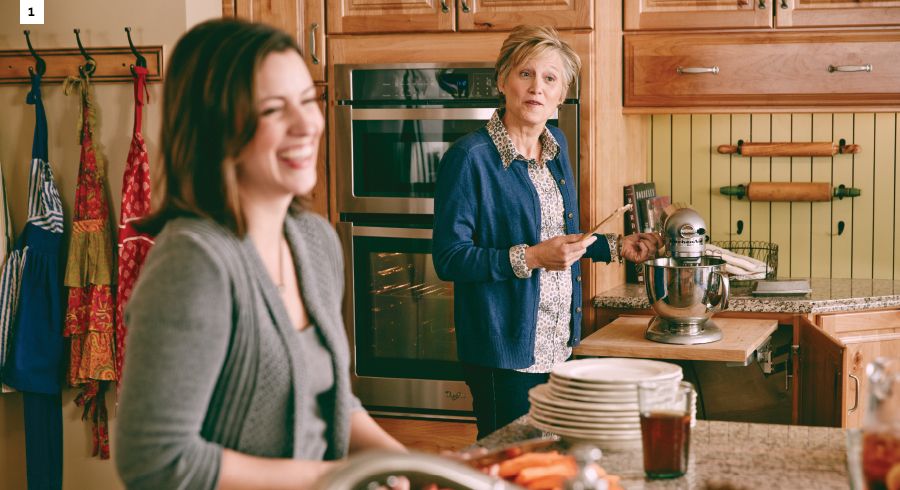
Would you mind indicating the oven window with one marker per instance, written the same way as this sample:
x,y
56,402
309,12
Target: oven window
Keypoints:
x,y
404,313
399,158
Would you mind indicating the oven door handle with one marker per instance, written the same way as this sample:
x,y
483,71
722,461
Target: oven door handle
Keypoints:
x,y
437,113
383,232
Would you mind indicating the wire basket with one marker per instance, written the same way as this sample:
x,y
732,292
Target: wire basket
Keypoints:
x,y
763,251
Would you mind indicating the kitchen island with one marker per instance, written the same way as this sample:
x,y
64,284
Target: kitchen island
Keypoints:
x,y
728,455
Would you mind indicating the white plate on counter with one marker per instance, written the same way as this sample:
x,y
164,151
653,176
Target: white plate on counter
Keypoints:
x,y
607,417
543,394
612,370
594,425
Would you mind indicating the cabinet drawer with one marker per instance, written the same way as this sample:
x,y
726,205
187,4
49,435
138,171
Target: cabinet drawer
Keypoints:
x,y
860,323
762,69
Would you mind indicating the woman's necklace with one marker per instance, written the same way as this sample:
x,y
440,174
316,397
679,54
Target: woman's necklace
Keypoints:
x,y
280,283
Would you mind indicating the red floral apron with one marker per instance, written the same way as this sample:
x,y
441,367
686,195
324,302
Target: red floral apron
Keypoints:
x,y
89,317
133,245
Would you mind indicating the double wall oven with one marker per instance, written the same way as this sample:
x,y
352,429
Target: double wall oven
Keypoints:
x,y
393,124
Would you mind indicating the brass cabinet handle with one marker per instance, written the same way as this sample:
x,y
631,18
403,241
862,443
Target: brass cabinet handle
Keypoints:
x,y
465,5
784,4
697,70
762,4
856,397
444,7
849,68
312,43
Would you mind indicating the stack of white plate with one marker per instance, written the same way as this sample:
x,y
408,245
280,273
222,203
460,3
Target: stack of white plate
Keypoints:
x,y
596,399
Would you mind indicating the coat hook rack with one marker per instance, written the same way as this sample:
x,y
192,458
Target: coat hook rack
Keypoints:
x,y
41,64
813,149
90,65
110,64
139,59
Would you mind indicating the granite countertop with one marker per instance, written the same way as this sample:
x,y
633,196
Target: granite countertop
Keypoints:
x,y
728,455
827,296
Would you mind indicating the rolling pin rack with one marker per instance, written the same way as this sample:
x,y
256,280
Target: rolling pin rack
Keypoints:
x,y
801,149
105,64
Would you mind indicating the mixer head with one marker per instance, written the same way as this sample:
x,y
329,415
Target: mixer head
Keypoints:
x,y
685,235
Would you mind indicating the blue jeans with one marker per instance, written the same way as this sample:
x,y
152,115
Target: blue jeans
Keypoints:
x,y
499,396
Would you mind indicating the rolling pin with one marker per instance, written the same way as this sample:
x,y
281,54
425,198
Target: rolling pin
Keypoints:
x,y
788,191
821,149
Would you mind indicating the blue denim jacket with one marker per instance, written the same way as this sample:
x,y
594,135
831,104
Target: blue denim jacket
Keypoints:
x,y
481,210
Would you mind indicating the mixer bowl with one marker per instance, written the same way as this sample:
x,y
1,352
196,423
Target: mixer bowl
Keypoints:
x,y
686,295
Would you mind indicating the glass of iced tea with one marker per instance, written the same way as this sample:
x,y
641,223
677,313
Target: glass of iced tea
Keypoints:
x,y
665,412
881,430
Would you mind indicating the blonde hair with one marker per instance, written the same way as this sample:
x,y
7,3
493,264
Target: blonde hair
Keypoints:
x,y
527,42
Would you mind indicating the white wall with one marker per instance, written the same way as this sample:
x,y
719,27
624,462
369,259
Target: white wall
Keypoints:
x,y
153,22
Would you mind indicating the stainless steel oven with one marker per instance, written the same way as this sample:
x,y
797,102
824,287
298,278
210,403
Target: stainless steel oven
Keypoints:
x,y
400,321
393,124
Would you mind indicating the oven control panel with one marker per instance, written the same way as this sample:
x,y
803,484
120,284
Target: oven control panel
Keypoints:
x,y
421,84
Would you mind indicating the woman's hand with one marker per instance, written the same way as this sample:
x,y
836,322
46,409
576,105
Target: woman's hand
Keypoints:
x,y
639,247
557,253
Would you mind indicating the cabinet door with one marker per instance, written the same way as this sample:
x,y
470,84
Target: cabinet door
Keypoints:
x,y
821,380
765,69
363,16
837,13
303,19
697,14
319,195
503,15
860,352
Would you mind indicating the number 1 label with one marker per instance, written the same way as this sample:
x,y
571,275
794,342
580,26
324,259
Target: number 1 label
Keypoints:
x,y
31,11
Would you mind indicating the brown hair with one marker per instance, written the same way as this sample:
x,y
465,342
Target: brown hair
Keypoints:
x,y
526,42
208,116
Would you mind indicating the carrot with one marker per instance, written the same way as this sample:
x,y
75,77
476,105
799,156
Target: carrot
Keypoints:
x,y
512,467
551,482
565,468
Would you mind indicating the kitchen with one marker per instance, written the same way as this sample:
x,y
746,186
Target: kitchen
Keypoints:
x,y
668,141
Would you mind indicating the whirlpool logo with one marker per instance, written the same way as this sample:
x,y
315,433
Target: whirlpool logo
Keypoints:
x,y
454,395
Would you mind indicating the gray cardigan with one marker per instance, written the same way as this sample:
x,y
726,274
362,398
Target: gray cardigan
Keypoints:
x,y
193,348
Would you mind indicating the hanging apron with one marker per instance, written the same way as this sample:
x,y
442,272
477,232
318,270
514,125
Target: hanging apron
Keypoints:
x,y
133,245
5,247
31,313
89,317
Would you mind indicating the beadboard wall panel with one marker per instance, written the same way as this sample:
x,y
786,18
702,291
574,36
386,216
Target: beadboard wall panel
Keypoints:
x,y
684,163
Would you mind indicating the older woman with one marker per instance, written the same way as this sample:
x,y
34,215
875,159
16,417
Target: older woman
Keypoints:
x,y
237,368
506,232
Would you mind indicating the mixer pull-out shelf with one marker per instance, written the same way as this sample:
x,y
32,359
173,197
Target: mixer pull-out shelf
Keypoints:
x,y
624,337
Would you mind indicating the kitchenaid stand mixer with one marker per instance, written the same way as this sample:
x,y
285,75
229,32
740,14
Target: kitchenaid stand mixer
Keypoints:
x,y
686,287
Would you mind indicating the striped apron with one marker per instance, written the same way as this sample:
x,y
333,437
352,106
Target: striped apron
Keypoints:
x,y
31,312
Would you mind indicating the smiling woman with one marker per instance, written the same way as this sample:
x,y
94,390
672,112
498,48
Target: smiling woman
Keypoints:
x,y
237,369
280,161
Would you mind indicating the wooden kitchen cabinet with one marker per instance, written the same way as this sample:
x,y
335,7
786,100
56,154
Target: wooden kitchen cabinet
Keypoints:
x,y
763,69
768,63
363,17
834,388
304,19
836,13
697,14
319,196
757,14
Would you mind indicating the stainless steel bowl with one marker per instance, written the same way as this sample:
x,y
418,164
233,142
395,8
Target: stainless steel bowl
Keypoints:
x,y
686,294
